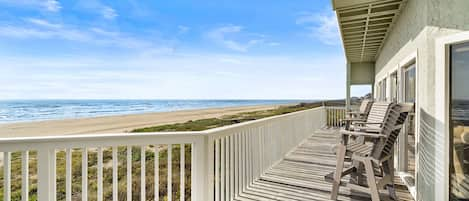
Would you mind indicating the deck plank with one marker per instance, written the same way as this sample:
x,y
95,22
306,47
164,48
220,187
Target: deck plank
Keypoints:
x,y
300,175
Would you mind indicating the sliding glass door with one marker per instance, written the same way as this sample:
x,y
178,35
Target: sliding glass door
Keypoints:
x,y
459,128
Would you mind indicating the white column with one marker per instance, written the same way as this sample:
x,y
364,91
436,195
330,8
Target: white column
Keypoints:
x,y
348,85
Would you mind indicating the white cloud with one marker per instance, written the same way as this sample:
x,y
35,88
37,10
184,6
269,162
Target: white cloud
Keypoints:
x,y
55,33
321,26
273,44
52,5
108,13
47,5
43,29
43,23
226,36
175,77
183,29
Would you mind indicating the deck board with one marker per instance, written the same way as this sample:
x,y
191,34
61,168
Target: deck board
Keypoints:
x,y
300,175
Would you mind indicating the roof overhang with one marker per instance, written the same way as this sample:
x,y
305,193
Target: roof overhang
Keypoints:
x,y
364,25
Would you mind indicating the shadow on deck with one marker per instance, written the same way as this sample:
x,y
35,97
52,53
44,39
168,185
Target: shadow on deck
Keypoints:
x,y
300,175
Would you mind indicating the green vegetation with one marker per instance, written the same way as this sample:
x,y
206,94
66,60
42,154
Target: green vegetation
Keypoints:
x,y
205,124
196,125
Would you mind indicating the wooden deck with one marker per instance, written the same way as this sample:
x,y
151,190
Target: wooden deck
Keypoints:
x,y
300,176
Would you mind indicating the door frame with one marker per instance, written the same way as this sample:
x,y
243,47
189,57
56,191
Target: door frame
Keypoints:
x,y
443,103
402,152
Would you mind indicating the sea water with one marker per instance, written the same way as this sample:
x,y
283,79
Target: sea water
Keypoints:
x,y
36,110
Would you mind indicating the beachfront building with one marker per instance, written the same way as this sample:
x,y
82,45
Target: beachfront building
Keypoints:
x,y
408,50
417,51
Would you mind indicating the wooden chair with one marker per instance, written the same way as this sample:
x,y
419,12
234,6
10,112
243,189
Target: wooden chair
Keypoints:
x,y
373,156
362,112
374,119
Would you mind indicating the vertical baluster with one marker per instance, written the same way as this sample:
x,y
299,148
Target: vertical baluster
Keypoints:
x,y
142,174
250,152
227,168
115,179
333,117
129,172
182,167
170,172
240,163
222,168
157,173
243,151
84,174
236,164
68,174
6,176
46,181
25,176
217,170
247,158
232,159
100,174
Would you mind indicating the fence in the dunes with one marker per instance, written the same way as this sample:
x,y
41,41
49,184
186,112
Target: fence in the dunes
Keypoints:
x,y
216,164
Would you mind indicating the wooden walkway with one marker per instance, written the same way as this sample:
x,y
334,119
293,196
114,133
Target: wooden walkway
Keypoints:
x,y
300,176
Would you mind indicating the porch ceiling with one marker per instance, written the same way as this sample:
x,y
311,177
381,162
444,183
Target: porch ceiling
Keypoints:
x,y
365,24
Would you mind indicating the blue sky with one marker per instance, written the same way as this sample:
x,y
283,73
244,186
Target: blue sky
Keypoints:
x,y
146,49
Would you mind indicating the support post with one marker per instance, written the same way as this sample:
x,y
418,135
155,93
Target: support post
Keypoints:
x,y
347,87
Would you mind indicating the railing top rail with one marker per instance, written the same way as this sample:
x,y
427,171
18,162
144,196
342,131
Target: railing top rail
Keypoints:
x,y
80,137
256,122
336,107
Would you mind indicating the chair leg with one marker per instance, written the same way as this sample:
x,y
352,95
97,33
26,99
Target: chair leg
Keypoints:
x,y
338,171
360,175
388,170
370,176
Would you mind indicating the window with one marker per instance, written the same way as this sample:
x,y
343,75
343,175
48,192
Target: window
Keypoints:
x,y
459,119
409,83
394,87
382,90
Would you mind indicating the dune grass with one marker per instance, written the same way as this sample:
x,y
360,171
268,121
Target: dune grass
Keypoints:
x,y
205,124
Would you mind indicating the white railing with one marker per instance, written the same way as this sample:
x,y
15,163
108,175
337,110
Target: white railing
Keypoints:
x,y
335,115
222,162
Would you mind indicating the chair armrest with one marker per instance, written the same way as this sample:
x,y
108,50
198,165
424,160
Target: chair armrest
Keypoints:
x,y
352,119
368,123
366,129
354,112
364,134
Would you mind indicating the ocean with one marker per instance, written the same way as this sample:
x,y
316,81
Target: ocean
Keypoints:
x,y
37,110
460,112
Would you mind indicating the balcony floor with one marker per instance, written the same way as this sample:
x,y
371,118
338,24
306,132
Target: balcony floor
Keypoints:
x,y
300,175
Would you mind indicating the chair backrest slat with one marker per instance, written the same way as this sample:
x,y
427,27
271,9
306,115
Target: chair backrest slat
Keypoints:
x,y
391,128
377,113
365,107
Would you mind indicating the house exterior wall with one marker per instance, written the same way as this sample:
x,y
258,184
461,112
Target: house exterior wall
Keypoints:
x,y
362,73
413,36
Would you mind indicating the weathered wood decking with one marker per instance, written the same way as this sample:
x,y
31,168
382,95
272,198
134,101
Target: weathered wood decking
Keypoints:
x,y
300,175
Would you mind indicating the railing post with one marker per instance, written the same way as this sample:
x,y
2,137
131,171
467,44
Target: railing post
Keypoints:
x,y
46,174
202,182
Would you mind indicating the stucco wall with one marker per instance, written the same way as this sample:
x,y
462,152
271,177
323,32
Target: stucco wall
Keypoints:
x,y
414,34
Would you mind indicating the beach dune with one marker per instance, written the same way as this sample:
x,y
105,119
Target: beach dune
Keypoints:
x,y
116,124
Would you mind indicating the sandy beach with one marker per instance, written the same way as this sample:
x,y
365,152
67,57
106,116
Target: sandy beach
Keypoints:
x,y
116,124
